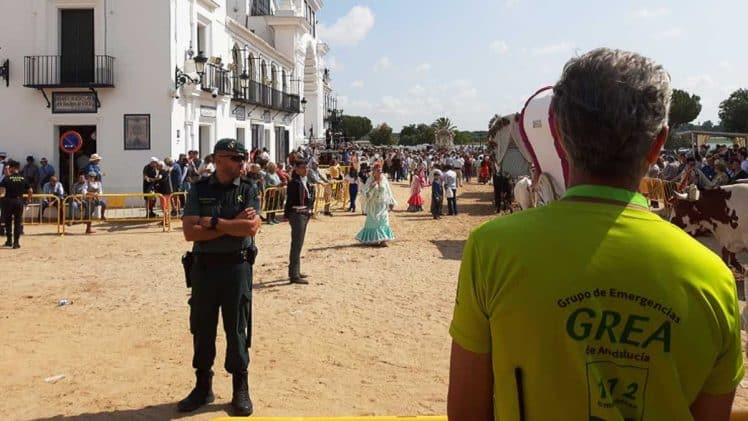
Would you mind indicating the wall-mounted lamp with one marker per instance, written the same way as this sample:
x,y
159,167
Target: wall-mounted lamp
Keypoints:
x,y
303,105
244,80
5,72
182,78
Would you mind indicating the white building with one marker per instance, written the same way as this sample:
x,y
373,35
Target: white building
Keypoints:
x,y
122,74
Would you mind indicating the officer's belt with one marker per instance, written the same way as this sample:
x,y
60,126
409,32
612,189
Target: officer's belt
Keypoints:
x,y
246,255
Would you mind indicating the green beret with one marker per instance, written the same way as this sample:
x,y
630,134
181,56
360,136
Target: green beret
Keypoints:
x,y
230,145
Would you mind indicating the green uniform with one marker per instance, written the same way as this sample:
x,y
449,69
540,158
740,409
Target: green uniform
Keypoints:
x,y
221,275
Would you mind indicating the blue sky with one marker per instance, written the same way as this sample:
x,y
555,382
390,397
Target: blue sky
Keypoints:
x,y
411,61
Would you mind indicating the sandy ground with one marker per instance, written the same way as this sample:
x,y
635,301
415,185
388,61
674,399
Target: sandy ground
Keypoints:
x,y
367,337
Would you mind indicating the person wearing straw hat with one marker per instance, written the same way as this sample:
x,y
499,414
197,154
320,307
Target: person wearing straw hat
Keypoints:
x,y
94,165
582,309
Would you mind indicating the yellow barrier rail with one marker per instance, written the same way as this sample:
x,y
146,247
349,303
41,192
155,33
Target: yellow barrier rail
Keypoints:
x,y
273,200
38,210
331,196
177,201
737,415
655,189
404,418
113,207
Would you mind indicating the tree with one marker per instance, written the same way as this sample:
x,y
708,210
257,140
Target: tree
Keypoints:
x,y
425,134
684,108
409,135
707,125
463,138
443,123
381,135
355,126
734,112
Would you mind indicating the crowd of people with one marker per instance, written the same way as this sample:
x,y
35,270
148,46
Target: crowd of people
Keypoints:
x,y
706,166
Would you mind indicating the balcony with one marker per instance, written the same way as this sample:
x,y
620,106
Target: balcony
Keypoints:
x,y
215,80
262,95
68,72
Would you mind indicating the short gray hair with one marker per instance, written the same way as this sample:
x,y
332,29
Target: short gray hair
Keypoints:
x,y
609,106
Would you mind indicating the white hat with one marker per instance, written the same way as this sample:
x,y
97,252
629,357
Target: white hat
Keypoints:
x,y
95,157
154,159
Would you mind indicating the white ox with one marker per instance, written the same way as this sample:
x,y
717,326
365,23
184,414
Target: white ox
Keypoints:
x,y
523,193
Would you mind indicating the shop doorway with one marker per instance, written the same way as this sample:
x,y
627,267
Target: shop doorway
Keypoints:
x,y
80,158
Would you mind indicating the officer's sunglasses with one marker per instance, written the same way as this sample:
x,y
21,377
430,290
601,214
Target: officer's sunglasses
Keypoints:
x,y
235,158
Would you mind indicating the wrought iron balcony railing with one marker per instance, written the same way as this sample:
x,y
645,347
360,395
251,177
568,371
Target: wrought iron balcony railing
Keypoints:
x,y
215,79
68,71
257,93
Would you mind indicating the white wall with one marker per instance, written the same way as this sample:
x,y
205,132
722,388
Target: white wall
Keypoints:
x,y
141,80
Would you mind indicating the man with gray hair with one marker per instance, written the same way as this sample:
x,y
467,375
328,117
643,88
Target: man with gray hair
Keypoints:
x,y
583,309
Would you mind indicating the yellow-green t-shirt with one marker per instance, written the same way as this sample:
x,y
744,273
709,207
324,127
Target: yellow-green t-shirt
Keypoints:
x,y
610,312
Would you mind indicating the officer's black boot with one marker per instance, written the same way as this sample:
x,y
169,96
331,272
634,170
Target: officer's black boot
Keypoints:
x,y
240,400
201,394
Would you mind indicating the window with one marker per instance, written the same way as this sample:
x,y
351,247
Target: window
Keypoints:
x,y
202,39
261,8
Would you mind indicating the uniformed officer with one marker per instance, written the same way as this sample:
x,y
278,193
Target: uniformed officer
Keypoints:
x,y
14,185
220,218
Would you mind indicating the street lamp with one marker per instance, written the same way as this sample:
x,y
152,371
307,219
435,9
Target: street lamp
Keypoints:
x,y
200,61
303,105
244,80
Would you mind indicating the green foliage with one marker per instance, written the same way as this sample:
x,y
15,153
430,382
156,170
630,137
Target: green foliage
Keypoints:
x,y
443,123
684,108
382,135
734,112
676,142
463,138
355,126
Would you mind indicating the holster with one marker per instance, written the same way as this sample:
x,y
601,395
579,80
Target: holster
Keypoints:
x,y
187,260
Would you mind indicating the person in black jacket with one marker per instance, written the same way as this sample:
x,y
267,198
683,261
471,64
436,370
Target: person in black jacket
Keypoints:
x,y
298,209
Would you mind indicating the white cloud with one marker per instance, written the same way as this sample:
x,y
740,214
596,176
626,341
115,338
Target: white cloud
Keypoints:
x,y
560,47
499,47
383,63
670,33
646,13
350,29
357,84
725,65
699,82
423,67
417,90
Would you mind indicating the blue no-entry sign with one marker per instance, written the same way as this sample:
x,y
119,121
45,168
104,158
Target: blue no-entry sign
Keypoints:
x,y
71,142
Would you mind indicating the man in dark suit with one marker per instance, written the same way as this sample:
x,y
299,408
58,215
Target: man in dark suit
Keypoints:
x,y
298,209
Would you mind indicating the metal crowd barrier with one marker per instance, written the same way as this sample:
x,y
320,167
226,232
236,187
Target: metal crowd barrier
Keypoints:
x,y
658,190
126,207
38,210
177,201
339,197
273,200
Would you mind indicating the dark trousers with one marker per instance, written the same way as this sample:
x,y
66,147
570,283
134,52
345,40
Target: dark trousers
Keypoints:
x,y
353,193
298,223
13,218
228,287
452,203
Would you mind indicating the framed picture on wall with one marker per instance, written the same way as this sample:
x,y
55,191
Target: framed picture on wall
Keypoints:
x,y
137,131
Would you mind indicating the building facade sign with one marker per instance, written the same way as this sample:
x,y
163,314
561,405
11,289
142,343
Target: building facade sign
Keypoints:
x,y
73,102
209,112
240,113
